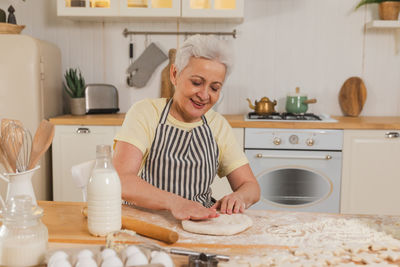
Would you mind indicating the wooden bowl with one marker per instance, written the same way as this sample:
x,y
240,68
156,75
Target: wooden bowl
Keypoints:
x,y
11,28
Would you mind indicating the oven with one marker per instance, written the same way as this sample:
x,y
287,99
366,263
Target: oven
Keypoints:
x,y
297,169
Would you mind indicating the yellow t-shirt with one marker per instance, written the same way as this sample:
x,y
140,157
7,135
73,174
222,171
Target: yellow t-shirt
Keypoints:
x,y
142,119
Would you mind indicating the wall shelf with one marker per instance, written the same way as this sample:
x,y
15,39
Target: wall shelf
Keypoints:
x,y
383,24
388,25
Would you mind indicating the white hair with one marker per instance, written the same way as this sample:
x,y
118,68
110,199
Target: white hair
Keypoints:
x,y
204,46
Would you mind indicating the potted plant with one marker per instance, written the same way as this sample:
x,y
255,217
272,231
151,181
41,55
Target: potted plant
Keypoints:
x,y
74,86
388,10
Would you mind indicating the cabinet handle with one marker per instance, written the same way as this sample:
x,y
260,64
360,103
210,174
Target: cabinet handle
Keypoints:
x,y
83,131
260,156
392,135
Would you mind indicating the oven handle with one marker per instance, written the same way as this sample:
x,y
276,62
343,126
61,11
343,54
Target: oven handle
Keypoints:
x,y
259,155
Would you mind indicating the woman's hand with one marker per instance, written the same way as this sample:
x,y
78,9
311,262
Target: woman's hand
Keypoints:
x,y
246,191
232,203
183,209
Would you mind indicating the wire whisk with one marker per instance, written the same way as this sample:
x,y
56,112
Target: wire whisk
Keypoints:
x,y
16,142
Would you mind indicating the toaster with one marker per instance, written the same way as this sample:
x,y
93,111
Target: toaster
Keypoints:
x,y
101,98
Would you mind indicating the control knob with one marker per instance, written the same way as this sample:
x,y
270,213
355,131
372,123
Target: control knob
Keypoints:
x,y
277,141
310,142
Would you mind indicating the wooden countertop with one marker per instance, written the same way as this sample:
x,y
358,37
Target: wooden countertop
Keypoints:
x,y
237,121
66,224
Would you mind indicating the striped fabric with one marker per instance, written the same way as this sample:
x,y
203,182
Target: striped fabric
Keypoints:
x,y
184,163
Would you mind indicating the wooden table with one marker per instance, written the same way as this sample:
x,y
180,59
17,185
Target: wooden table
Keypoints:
x,y
67,226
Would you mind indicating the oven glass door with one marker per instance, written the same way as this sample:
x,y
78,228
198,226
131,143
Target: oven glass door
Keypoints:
x,y
300,180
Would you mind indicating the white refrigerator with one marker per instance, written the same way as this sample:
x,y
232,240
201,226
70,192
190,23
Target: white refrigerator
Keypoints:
x,y
30,90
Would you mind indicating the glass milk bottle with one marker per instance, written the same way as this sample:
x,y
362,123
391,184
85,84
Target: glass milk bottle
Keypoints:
x,y
104,195
23,237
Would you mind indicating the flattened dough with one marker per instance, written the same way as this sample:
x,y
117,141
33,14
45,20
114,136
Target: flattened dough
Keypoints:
x,y
223,225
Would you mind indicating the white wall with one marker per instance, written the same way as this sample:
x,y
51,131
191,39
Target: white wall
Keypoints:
x,y
281,44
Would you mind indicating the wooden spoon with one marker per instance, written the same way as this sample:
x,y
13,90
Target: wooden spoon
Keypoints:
x,y
41,142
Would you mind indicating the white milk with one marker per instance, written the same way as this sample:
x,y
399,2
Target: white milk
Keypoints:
x,y
29,254
104,198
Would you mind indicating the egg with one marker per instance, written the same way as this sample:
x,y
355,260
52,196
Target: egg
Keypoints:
x,y
85,253
60,263
112,261
136,259
162,258
58,255
108,252
132,250
86,262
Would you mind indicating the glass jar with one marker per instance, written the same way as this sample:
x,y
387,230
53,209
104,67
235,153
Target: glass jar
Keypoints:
x,y
23,237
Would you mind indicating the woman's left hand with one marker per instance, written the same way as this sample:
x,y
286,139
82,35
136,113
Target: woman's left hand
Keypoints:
x,y
232,203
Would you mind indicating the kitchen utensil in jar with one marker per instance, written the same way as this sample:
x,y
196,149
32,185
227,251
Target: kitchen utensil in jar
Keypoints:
x,y
19,183
264,106
41,142
4,160
16,143
23,237
352,96
297,103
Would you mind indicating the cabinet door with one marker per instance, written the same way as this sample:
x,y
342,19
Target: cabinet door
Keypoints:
x,y
371,176
73,145
88,8
213,9
150,8
220,186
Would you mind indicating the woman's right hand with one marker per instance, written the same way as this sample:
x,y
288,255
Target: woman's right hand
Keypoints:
x,y
183,209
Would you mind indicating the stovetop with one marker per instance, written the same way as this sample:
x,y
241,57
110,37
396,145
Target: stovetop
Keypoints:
x,y
284,116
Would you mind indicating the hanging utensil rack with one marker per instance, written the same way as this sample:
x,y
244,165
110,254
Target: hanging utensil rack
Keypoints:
x,y
126,32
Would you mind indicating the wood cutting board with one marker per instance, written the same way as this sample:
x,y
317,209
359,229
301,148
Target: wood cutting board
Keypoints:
x,y
66,224
352,96
167,88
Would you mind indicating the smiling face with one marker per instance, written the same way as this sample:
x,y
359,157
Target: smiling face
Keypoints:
x,y
197,88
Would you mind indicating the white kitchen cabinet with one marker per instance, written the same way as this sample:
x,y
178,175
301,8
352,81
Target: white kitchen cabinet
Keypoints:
x,y
220,186
370,174
150,8
185,9
74,144
212,8
91,8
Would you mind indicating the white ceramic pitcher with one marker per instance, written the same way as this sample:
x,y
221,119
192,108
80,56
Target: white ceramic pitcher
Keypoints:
x,y
19,184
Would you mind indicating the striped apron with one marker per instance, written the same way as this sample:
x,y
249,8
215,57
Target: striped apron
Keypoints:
x,y
182,162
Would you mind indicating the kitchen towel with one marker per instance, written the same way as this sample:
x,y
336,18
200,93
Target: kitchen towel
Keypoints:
x,y
145,65
81,174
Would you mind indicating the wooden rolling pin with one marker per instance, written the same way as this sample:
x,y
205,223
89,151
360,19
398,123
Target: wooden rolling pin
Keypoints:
x,y
146,229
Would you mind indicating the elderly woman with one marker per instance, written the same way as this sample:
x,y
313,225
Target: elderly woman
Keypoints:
x,y
168,151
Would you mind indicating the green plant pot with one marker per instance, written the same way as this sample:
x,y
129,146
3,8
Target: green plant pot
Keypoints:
x,y
389,10
78,106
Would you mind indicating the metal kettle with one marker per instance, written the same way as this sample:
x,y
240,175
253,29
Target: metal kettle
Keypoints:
x,y
264,106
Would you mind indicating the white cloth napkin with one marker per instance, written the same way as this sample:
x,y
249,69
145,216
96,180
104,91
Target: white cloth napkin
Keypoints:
x,y
81,174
